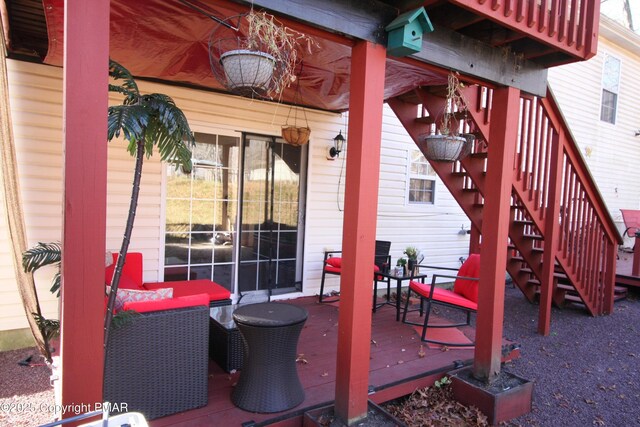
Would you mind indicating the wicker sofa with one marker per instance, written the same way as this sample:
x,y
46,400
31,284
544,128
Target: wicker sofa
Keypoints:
x,y
158,362
131,278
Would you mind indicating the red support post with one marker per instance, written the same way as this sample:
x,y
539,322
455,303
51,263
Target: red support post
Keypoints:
x,y
495,232
552,234
359,230
85,101
474,240
635,267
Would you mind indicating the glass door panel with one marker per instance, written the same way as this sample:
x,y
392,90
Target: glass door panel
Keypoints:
x,y
201,213
271,238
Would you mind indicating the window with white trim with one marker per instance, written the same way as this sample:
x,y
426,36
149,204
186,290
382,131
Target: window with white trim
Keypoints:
x,y
610,88
422,179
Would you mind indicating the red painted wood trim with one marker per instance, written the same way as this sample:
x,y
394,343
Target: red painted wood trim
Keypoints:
x,y
495,231
359,230
610,277
592,29
635,269
552,229
85,95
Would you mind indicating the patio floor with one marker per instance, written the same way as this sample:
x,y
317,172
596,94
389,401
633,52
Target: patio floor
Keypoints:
x,y
399,364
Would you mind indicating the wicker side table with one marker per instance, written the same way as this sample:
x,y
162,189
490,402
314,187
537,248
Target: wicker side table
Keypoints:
x,y
225,341
269,380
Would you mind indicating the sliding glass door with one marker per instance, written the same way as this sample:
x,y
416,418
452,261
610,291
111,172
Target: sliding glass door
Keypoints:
x,y
271,228
236,217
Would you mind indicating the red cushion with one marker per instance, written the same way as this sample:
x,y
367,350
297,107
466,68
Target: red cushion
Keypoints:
x,y
443,295
168,304
334,265
132,268
181,288
335,262
331,269
468,288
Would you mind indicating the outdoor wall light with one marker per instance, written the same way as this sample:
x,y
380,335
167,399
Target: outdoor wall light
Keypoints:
x,y
338,145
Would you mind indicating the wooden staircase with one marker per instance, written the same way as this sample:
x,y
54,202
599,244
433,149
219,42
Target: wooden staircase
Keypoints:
x,y
549,175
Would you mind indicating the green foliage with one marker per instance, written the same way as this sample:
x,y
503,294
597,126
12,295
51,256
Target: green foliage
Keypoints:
x,y
411,252
401,262
123,318
50,328
41,255
152,118
442,382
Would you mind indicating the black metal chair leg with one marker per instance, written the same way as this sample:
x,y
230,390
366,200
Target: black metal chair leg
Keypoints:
x,y
426,319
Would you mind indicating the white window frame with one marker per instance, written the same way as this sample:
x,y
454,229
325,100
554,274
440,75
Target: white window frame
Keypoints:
x,y
609,88
410,175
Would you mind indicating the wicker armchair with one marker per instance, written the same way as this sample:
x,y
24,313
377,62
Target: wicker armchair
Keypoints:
x,y
158,362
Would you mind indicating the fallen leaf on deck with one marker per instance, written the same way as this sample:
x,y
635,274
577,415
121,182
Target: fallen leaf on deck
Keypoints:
x,y
421,352
301,359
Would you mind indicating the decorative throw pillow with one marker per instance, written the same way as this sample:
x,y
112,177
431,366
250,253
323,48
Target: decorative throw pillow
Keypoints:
x,y
130,295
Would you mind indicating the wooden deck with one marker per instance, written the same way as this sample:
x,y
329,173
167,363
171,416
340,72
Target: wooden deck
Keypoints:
x,y
396,369
624,265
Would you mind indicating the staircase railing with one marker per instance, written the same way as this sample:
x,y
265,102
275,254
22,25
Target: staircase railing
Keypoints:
x,y
588,237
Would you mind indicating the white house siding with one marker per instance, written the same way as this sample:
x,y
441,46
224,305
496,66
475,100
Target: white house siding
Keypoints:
x,y
36,102
612,151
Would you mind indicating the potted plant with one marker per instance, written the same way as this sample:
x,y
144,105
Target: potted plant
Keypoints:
x,y
412,255
264,59
448,145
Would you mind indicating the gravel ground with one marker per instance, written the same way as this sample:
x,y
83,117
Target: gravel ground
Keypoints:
x,y
26,397
586,372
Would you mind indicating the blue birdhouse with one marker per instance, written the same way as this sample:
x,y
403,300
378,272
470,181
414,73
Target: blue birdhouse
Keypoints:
x,y
405,32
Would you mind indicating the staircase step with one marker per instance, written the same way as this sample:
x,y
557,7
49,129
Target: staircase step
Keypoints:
x,y
410,97
533,236
523,222
480,155
427,120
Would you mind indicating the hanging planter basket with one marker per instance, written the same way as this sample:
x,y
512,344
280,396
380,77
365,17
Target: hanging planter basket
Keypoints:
x,y
296,135
446,148
247,71
291,132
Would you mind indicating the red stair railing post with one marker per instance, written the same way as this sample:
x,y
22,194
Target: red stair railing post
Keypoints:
x,y
552,227
635,269
495,232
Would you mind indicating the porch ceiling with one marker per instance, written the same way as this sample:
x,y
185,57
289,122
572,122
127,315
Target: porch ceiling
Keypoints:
x,y
168,41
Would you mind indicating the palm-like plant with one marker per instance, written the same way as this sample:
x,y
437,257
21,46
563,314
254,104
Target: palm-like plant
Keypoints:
x,y
144,121
41,255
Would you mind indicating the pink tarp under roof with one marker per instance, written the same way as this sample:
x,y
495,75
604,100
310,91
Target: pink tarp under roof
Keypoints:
x,y
169,41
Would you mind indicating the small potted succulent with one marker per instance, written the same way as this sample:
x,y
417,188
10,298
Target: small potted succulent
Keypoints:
x,y
448,145
412,255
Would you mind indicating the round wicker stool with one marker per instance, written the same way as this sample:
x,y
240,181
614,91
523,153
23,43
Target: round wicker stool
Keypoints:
x,y
269,378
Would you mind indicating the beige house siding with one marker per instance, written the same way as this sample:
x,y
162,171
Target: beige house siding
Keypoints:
x,y
612,151
36,102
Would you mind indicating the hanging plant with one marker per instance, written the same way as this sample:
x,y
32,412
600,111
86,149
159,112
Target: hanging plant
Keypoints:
x,y
258,56
291,132
449,145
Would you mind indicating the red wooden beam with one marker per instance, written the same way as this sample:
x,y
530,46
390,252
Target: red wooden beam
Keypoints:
x,y
359,229
86,41
495,232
